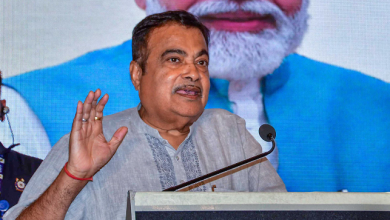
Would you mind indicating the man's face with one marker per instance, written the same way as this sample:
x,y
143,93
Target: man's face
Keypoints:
x,y
249,38
236,21
176,77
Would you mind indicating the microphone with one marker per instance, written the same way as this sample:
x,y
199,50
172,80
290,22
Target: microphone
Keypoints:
x,y
5,110
266,132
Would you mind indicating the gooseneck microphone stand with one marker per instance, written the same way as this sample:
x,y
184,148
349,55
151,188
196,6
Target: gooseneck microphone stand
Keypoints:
x,y
266,132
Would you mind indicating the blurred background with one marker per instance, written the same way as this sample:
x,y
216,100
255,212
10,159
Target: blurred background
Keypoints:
x,y
36,34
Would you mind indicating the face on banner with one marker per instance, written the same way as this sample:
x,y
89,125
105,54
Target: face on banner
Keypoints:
x,y
288,6
249,39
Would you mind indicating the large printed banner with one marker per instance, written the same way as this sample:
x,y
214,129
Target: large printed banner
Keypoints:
x,y
317,71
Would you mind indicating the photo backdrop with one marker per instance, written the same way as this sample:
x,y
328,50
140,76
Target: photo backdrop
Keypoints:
x,y
351,33
37,35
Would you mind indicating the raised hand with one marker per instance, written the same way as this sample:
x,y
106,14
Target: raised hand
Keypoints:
x,y
89,150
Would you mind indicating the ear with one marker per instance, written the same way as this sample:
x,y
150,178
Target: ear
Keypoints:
x,y
141,4
135,74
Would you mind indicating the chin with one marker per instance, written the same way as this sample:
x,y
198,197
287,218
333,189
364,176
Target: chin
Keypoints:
x,y
190,111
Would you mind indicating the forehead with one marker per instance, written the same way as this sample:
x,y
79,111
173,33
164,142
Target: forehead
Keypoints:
x,y
174,35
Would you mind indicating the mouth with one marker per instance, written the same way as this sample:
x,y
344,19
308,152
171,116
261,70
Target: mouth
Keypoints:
x,y
239,21
189,91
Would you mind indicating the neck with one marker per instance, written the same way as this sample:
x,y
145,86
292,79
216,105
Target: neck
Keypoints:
x,y
176,125
174,129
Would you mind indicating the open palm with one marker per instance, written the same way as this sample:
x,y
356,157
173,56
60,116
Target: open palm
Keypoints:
x,y
89,150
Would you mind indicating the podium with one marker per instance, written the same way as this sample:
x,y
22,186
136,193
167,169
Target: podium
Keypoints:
x,y
255,205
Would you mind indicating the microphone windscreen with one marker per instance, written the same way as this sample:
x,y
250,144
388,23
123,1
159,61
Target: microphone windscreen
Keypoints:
x,y
265,130
5,110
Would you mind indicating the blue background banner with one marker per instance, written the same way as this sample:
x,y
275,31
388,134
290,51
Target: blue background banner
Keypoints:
x,y
318,73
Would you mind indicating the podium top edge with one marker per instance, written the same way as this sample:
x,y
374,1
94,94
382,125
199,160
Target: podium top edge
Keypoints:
x,y
247,198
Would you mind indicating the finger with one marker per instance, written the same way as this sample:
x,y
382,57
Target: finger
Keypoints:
x,y
100,106
99,113
93,105
87,105
77,121
117,138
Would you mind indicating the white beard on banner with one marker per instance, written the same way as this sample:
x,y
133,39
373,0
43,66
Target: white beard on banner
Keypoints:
x,y
244,55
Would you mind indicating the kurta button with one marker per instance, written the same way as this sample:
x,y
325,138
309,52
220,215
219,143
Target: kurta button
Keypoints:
x,y
177,158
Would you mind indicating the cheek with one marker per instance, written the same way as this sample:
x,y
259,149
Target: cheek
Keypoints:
x,y
162,86
206,89
179,4
290,7
153,93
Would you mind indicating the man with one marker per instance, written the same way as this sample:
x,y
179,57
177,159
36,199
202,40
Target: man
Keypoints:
x,y
169,138
16,169
323,114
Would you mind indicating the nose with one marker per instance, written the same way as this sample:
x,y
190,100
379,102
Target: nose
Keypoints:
x,y
191,73
290,7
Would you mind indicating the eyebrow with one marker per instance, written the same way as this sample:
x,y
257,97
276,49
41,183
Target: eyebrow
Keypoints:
x,y
202,52
182,52
178,51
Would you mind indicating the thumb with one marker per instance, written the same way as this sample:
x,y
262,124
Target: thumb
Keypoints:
x,y
117,138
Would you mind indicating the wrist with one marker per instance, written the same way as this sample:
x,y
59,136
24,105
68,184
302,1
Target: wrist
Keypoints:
x,y
69,173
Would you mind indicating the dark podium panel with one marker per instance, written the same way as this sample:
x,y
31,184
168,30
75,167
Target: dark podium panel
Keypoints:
x,y
274,215
237,205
